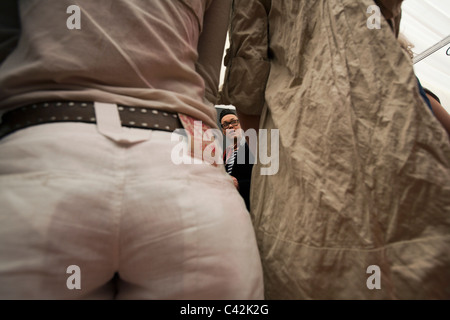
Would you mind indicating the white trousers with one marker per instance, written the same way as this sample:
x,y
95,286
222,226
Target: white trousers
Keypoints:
x,y
70,196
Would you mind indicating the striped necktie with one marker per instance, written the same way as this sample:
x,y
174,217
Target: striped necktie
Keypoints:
x,y
230,162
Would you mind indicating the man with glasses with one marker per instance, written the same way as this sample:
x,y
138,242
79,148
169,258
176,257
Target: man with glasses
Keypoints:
x,y
237,156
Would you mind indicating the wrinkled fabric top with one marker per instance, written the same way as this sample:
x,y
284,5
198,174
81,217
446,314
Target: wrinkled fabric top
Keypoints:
x,y
159,54
364,166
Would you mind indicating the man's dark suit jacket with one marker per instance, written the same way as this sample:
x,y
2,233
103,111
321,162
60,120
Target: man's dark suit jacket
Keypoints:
x,y
242,171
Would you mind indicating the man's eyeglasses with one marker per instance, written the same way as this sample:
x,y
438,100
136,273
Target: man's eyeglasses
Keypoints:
x,y
232,122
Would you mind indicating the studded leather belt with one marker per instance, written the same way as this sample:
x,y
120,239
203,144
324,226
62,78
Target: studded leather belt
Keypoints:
x,y
75,111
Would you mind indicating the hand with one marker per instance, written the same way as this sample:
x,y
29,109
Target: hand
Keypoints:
x,y
236,183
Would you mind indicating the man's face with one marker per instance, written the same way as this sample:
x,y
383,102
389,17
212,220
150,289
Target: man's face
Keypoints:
x,y
231,127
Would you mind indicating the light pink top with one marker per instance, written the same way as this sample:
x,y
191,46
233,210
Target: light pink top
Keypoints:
x,y
131,52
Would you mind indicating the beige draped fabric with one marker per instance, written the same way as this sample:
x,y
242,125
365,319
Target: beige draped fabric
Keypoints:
x,y
364,166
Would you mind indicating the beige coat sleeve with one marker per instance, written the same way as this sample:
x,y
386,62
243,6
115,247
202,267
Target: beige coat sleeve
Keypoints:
x,y
9,27
247,59
211,46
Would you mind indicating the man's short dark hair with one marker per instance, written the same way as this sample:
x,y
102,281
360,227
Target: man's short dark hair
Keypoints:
x,y
226,112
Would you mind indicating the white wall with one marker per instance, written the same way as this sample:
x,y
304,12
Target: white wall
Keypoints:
x,y
425,23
